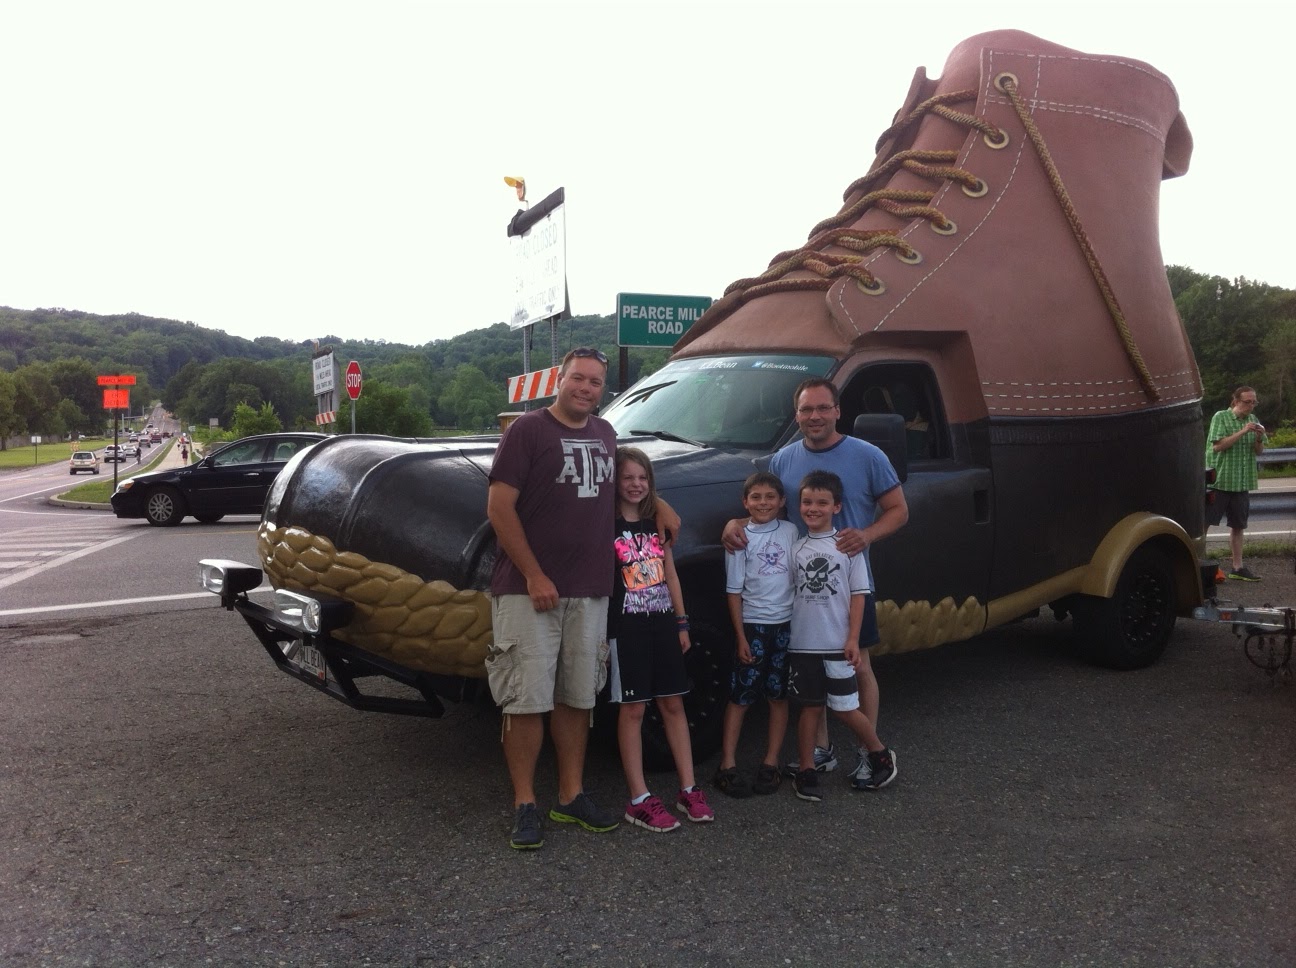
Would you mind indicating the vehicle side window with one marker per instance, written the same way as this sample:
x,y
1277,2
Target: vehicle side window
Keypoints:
x,y
285,449
908,389
248,452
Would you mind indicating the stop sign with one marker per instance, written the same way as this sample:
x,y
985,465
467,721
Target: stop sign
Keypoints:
x,y
353,380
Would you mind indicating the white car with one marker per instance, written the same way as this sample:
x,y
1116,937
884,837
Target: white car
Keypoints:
x,y
84,460
112,453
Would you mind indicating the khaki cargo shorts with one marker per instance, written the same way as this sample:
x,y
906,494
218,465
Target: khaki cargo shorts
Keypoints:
x,y
541,658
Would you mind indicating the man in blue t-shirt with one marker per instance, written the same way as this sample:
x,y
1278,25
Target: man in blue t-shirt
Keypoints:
x,y
873,507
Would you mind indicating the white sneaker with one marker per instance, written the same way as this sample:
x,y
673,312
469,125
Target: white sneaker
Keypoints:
x,y
863,771
825,761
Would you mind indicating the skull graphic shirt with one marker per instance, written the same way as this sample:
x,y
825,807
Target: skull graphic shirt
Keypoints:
x,y
824,581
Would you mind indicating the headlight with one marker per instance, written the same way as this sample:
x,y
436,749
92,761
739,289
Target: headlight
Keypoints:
x,y
227,578
124,486
311,615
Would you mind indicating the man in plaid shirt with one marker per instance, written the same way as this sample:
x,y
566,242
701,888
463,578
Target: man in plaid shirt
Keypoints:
x,y
1233,443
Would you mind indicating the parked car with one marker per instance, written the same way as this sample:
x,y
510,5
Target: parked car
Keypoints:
x,y
231,480
84,460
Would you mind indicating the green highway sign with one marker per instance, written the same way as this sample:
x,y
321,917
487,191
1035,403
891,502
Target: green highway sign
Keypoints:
x,y
644,319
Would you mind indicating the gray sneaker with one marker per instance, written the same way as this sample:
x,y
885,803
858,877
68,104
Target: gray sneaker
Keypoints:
x,y
825,761
526,828
587,813
863,772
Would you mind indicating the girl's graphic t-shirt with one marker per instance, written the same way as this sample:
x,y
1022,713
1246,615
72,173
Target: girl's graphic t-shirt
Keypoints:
x,y
640,587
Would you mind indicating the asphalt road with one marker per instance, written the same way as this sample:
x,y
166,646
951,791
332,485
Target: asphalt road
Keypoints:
x,y
168,798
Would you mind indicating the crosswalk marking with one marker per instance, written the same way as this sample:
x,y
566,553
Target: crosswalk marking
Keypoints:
x,y
30,551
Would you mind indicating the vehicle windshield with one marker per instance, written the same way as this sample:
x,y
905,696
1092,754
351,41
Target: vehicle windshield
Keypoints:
x,y
720,401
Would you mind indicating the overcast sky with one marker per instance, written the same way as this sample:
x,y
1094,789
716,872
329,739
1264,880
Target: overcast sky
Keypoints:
x,y
301,169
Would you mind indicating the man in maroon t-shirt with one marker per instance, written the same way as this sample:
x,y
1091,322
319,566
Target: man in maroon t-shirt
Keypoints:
x,y
552,502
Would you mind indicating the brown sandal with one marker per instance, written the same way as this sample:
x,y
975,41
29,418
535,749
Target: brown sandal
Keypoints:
x,y
732,783
768,779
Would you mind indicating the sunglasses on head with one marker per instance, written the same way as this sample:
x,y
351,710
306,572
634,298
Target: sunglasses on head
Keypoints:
x,y
589,352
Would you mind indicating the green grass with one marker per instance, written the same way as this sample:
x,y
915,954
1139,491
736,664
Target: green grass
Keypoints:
x,y
40,455
1256,549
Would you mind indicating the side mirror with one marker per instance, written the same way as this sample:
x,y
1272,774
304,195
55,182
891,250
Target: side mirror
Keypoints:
x,y
886,431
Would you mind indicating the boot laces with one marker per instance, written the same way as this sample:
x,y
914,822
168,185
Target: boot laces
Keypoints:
x,y
861,195
937,166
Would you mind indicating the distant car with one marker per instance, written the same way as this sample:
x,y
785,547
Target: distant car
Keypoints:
x,y
166,433
155,437
84,460
232,480
113,453
130,449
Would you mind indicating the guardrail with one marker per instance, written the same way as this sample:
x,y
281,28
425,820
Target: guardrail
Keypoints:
x,y
1278,455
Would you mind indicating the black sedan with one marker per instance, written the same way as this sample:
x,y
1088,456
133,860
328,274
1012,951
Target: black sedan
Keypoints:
x,y
231,480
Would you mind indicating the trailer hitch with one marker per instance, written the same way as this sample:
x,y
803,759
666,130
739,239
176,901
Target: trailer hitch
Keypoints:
x,y
1266,632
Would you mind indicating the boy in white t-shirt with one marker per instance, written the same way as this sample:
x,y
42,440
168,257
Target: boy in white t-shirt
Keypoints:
x,y
827,610
758,579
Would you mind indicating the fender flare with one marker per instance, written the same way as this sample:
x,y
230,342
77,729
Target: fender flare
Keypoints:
x,y
1132,532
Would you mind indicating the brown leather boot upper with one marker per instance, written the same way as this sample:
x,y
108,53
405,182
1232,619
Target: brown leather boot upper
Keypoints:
x,y
1042,246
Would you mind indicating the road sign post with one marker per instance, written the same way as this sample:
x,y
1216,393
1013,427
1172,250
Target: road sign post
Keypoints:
x,y
322,375
116,400
354,382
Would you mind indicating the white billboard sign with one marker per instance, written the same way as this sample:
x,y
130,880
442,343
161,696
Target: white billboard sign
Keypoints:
x,y
322,368
540,270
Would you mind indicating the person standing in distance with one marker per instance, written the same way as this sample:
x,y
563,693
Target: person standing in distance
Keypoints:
x,y
1233,443
873,508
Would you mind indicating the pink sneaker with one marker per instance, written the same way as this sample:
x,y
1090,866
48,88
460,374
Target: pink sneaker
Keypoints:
x,y
651,815
694,806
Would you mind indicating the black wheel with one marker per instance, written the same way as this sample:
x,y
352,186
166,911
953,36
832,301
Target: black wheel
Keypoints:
x,y
1131,629
208,518
164,507
709,662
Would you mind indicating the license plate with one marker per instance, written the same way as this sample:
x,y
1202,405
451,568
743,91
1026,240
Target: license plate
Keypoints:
x,y
311,660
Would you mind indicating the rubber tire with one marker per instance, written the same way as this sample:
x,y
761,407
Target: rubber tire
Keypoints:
x,y
709,663
208,518
163,507
1131,629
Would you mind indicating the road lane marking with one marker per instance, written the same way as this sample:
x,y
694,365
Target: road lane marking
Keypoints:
x,y
62,560
121,601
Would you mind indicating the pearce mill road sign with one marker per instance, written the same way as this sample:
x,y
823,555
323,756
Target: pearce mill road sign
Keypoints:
x,y
644,319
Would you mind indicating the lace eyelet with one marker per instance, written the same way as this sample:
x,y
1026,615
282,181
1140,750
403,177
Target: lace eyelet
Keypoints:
x,y
976,191
907,259
876,289
996,143
1002,81
949,228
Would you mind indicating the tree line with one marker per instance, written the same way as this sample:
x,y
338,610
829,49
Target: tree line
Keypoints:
x,y
454,385
1242,332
